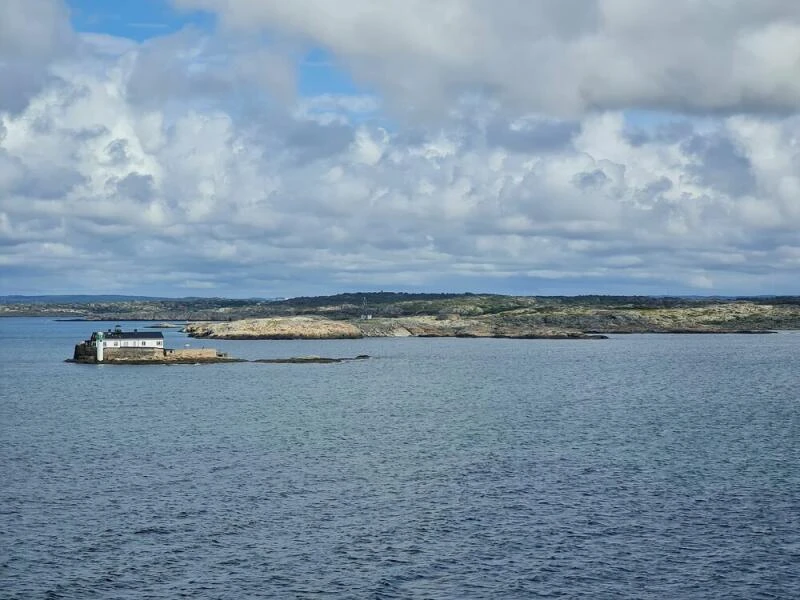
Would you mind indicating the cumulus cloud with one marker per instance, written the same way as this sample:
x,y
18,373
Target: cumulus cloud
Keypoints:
x,y
562,57
167,167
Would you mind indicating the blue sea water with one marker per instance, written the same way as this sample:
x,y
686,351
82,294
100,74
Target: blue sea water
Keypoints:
x,y
643,466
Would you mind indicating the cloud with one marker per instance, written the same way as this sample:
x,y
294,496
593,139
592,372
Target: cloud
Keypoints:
x,y
179,164
209,199
554,56
33,33
190,67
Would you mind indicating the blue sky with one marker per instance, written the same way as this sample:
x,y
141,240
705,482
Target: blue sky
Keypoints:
x,y
142,20
263,148
135,19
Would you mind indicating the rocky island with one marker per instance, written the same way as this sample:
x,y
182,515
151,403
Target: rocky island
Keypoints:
x,y
318,328
394,314
118,347
489,316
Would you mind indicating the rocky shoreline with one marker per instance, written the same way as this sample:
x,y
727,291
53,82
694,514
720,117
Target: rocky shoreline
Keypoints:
x,y
304,360
695,331
321,328
156,361
576,324
301,360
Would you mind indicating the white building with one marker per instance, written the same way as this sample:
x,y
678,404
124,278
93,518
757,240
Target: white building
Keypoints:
x,y
116,339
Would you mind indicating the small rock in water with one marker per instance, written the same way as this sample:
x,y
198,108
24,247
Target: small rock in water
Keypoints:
x,y
309,359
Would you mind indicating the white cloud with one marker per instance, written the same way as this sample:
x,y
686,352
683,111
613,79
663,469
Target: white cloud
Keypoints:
x,y
159,167
555,56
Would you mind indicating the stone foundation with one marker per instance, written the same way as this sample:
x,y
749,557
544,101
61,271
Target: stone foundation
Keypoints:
x,y
132,354
192,354
85,353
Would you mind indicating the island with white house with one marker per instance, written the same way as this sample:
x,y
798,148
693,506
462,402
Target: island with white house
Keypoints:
x,y
118,347
115,346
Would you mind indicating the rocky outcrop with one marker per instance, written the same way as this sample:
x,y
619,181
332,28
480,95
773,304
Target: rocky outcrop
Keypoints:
x,y
424,326
457,326
714,318
86,354
304,360
280,328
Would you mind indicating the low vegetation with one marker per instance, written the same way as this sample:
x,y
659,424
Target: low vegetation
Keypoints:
x,y
466,313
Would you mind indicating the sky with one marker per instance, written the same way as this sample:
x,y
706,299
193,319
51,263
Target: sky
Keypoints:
x,y
241,148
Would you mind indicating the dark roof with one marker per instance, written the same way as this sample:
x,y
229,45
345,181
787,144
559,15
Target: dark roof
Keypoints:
x,y
133,335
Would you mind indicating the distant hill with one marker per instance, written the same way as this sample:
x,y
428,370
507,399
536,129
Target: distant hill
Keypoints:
x,y
75,299
592,313
107,298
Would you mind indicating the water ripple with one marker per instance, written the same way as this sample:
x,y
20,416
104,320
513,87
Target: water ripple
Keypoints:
x,y
645,467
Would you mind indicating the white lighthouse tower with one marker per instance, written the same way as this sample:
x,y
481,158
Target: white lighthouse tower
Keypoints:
x,y
98,341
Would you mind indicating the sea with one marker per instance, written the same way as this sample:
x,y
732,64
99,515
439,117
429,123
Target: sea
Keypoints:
x,y
641,466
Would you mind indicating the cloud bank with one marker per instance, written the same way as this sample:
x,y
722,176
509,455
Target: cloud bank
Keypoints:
x,y
550,147
557,56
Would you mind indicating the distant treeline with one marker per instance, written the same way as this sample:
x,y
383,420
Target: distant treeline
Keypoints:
x,y
344,306
371,298
75,299
664,301
381,298
120,301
